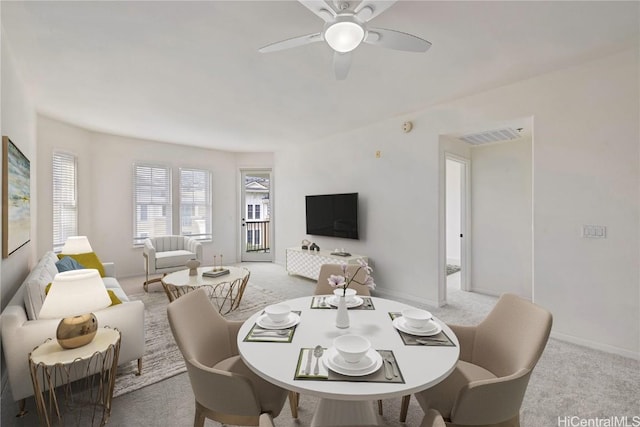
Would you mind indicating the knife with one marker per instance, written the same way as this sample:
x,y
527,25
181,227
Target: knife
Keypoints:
x,y
307,369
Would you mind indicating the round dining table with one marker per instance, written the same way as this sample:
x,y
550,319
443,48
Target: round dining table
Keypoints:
x,y
348,402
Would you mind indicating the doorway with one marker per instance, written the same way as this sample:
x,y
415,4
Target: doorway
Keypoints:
x,y
256,225
456,224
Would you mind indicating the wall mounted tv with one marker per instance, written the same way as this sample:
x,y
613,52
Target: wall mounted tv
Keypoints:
x,y
334,215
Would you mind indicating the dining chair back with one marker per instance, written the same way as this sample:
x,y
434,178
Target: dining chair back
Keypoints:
x,y
353,270
497,357
225,389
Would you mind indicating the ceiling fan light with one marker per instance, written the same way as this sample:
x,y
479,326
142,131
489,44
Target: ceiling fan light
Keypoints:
x,y
344,36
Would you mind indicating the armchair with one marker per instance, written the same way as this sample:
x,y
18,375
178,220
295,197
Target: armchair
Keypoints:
x,y
323,287
497,357
225,389
164,254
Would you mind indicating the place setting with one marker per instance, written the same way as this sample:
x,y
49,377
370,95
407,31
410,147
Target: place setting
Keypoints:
x,y
277,323
417,327
353,301
350,358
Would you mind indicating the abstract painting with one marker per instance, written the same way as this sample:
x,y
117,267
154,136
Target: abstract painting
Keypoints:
x,y
16,198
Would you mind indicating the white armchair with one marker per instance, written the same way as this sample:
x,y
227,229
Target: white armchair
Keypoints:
x,y
164,254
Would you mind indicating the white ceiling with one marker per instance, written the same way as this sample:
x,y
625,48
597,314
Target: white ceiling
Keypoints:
x,y
190,72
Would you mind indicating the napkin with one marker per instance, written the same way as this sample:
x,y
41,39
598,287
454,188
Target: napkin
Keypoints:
x,y
306,356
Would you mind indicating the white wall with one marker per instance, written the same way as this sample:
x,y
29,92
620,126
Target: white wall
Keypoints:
x,y
18,123
501,221
585,171
105,206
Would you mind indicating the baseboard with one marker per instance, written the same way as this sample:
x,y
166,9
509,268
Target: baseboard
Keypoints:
x,y
596,345
482,291
398,296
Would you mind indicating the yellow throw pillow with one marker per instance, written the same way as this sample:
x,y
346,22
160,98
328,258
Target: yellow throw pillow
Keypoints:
x,y
114,299
88,260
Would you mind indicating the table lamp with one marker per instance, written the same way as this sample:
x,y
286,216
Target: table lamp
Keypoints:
x,y
73,296
76,245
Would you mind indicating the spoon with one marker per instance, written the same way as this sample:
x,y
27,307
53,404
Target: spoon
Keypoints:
x,y
427,341
317,352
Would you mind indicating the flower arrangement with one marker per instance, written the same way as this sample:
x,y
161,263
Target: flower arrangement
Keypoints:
x,y
345,280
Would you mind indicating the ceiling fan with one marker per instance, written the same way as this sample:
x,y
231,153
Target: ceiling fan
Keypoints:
x,y
346,27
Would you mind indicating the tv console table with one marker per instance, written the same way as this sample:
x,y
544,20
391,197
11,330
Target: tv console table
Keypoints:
x,y
307,263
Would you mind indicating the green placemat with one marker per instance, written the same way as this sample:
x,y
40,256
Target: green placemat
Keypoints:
x,y
389,372
258,334
322,302
439,340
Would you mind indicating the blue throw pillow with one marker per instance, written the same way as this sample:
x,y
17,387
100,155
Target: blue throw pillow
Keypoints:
x,y
67,264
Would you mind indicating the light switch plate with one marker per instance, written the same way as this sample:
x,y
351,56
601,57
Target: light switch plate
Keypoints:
x,y
594,231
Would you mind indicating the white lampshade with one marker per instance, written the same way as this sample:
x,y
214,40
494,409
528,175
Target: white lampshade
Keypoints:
x,y
344,36
74,293
76,245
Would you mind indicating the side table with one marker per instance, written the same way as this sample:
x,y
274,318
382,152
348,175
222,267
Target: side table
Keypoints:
x,y
76,383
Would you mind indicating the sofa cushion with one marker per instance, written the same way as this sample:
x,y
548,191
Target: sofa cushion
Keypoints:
x,y
35,283
67,264
88,260
173,259
118,293
111,283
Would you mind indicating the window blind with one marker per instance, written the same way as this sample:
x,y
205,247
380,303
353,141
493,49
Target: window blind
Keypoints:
x,y
65,203
195,203
152,202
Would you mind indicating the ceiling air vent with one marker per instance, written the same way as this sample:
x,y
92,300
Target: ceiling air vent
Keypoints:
x,y
496,135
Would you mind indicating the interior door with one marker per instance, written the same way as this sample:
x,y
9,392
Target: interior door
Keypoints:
x,y
256,209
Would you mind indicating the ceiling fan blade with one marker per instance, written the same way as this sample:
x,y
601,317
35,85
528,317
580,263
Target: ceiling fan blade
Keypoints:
x,y
397,40
289,43
369,9
342,64
320,8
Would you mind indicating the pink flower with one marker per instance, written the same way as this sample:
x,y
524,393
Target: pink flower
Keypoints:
x,y
336,281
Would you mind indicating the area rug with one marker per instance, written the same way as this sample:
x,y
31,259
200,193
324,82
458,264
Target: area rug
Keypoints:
x,y
162,358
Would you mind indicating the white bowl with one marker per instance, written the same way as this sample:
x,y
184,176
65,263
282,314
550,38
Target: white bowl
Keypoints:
x,y
349,293
278,313
416,318
352,348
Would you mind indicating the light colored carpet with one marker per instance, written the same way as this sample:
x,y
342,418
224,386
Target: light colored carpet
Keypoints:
x,y
569,380
162,358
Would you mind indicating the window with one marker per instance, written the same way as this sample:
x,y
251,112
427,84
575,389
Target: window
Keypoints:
x,y
195,203
249,211
152,202
249,237
65,203
256,237
257,211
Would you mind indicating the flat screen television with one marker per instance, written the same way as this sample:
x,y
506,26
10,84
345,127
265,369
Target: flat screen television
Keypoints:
x,y
333,215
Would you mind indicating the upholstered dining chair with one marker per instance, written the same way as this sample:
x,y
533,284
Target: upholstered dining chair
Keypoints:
x,y
225,389
497,357
165,254
324,288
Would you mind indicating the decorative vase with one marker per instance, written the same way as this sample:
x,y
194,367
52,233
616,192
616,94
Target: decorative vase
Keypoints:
x,y
193,265
342,316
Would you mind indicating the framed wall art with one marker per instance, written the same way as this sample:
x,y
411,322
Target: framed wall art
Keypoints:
x,y
16,198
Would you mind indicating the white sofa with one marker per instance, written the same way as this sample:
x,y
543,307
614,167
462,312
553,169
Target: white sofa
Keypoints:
x,y
22,331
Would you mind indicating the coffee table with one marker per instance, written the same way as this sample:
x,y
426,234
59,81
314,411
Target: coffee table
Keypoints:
x,y
348,402
225,291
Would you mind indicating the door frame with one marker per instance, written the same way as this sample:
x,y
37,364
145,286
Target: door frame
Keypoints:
x,y
243,255
465,224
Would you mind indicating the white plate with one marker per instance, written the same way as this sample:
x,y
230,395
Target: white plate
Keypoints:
x,y
371,362
356,302
400,324
265,322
